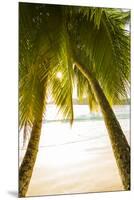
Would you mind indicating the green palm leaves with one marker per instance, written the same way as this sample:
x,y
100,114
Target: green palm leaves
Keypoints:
x,y
52,38
105,51
62,48
43,52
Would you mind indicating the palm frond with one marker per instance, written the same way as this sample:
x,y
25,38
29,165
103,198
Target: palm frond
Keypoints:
x,y
52,38
62,88
31,63
105,51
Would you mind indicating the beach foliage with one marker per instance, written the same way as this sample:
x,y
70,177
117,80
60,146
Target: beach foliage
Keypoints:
x,y
52,39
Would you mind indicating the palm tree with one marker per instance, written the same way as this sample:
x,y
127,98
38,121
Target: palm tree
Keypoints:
x,y
53,39
41,57
104,62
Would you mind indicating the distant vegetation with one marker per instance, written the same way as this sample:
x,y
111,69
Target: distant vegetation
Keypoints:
x,y
85,102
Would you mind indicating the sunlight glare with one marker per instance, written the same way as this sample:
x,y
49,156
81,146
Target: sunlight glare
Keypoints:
x,y
59,75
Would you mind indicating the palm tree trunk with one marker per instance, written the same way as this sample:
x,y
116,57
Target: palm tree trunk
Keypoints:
x,y
26,168
119,143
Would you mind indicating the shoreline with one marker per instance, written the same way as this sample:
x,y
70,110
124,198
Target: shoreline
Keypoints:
x,y
75,160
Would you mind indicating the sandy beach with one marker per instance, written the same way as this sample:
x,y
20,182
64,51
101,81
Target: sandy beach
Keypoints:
x,y
91,175
74,99
75,160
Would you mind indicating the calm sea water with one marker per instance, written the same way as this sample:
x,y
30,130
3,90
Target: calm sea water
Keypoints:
x,y
82,112
87,126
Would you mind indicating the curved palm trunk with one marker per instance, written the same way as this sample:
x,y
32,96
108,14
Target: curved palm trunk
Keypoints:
x,y
119,143
26,168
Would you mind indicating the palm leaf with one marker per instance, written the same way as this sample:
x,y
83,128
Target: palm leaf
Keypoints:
x,y
105,51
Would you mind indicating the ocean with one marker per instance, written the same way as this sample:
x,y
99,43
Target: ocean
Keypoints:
x,y
87,128
86,125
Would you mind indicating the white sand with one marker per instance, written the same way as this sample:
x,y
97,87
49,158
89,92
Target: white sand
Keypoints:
x,y
76,160
90,175
65,169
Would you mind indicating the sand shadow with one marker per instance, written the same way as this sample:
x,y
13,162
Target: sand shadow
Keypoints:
x,y
13,193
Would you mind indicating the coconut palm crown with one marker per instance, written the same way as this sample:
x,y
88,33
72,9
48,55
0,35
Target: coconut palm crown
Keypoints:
x,y
56,39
